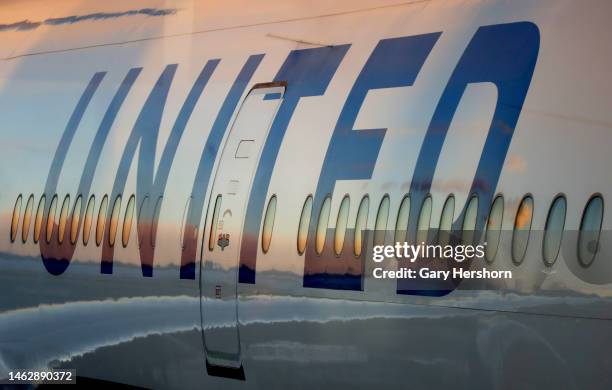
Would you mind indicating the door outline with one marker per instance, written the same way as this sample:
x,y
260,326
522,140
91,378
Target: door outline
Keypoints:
x,y
232,371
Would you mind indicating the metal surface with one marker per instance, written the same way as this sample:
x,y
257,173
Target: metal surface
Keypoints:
x,y
421,99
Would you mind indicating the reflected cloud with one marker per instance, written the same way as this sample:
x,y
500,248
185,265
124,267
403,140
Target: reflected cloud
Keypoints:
x,y
296,352
84,326
26,25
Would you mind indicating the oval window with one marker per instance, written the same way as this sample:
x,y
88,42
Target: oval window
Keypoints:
x,y
15,219
382,217
302,236
101,220
590,229
468,229
424,220
341,223
140,230
76,219
446,220
401,223
27,218
155,220
494,225
322,225
141,211
268,225
522,228
360,225
63,220
127,221
213,223
553,230
114,221
88,219
38,221
51,219
184,223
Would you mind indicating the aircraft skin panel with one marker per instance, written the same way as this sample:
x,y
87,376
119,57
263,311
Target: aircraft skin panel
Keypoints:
x,y
117,99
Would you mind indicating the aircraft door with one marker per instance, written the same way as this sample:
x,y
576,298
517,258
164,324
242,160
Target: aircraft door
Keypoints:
x,y
229,195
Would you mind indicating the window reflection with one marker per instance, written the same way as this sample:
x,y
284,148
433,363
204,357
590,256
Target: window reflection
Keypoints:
x,y
446,220
590,229
76,218
401,224
360,225
88,219
15,219
38,221
63,220
101,220
51,219
268,225
553,230
494,226
341,223
424,220
127,221
522,229
303,226
114,221
27,217
468,234
322,225
382,217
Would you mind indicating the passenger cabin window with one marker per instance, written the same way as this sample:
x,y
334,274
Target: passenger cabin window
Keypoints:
x,y
522,229
89,210
51,219
302,236
424,221
268,225
494,226
341,224
101,220
63,220
401,223
75,220
27,218
382,217
144,205
155,220
127,221
360,225
322,225
114,221
184,222
213,223
468,233
38,220
15,219
590,229
446,220
553,230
